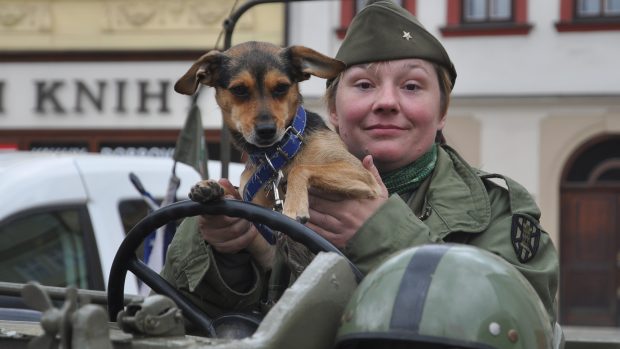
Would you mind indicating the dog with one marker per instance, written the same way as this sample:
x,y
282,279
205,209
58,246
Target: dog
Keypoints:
x,y
256,85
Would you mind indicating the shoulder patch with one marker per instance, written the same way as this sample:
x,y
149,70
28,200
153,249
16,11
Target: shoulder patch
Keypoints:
x,y
525,236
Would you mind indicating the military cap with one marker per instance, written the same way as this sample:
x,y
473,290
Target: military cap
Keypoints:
x,y
384,31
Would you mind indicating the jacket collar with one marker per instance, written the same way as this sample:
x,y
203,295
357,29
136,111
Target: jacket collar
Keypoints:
x,y
453,198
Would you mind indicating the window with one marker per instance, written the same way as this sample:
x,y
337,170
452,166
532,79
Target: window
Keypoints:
x,y
598,164
348,9
486,17
53,246
124,142
480,11
132,212
589,15
597,8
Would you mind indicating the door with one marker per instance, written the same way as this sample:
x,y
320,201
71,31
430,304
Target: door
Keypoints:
x,y
589,257
590,235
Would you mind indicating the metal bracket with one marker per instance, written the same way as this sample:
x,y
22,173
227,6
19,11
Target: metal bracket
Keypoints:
x,y
70,327
156,315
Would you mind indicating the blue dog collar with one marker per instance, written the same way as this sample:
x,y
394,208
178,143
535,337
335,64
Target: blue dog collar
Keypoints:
x,y
272,159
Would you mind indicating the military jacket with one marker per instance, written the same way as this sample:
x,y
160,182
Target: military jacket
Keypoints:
x,y
457,203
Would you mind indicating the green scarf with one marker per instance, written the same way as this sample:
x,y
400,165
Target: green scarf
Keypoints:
x,y
408,178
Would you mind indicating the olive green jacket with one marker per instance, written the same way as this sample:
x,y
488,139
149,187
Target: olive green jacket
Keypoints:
x,y
455,204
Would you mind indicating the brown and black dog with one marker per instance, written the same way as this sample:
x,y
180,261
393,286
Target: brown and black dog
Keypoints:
x,y
257,90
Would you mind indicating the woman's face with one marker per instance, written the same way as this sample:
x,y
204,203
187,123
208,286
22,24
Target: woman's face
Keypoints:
x,y
390,110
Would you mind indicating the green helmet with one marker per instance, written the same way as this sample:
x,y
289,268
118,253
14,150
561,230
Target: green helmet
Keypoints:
x,y
449,295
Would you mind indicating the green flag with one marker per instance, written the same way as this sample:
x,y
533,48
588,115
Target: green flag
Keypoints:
x,y
191,147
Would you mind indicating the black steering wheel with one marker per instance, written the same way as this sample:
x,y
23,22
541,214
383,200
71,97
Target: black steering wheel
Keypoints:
x,y
126,260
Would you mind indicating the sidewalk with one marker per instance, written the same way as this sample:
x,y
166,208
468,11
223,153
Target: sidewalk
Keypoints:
x,y
582,337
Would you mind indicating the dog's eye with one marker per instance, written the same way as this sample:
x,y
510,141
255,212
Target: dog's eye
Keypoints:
x,y
239,91
281,90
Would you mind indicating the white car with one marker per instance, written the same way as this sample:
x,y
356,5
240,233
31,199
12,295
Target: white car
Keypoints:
x,y
63,216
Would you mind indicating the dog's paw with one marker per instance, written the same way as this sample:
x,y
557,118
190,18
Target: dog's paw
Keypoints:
x,y
300,216
206,191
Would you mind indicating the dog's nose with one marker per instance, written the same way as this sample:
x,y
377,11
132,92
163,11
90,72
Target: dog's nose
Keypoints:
x,y
266,130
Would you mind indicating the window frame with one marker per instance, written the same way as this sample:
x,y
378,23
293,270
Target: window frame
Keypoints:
x,y
570,21
488,18
602,15
348,10
457,26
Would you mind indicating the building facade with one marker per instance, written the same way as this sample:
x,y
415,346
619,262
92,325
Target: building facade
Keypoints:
x,y
98,75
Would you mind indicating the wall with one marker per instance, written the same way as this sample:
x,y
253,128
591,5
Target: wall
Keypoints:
x,y
67,64
129,24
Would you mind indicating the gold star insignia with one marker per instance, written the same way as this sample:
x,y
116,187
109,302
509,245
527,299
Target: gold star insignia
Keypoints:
x,y
407,35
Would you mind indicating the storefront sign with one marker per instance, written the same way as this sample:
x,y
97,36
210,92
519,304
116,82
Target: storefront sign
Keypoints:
x,y
98,95
104,94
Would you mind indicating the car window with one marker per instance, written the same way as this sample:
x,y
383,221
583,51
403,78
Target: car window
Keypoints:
x,y
132,211
49,246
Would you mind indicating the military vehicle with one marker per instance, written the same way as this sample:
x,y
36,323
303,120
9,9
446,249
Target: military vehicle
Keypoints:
x,y
326,296
307,316
156,322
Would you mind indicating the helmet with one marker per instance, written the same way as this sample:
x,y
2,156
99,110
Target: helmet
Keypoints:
x,y
445,296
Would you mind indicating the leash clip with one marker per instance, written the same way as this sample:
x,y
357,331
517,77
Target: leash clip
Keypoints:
x,y
278,202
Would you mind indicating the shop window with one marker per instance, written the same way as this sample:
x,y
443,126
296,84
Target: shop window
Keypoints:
x,y
486,17
53,246
119,142
349,8
589,15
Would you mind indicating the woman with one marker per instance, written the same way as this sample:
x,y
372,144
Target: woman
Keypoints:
x,y
389,107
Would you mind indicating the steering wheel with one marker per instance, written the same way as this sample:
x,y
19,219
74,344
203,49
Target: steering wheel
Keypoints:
x,y
126,260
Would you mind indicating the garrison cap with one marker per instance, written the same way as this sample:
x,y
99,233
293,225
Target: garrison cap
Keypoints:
x,y
384,31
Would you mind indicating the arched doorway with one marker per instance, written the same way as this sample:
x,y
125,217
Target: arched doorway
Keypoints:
x,y
590,235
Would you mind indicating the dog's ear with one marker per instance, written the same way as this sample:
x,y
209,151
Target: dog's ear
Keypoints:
x,y
203,71
307,61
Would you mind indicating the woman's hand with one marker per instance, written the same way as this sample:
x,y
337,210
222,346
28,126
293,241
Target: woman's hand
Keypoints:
x,y
227,234
337,217
233,234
